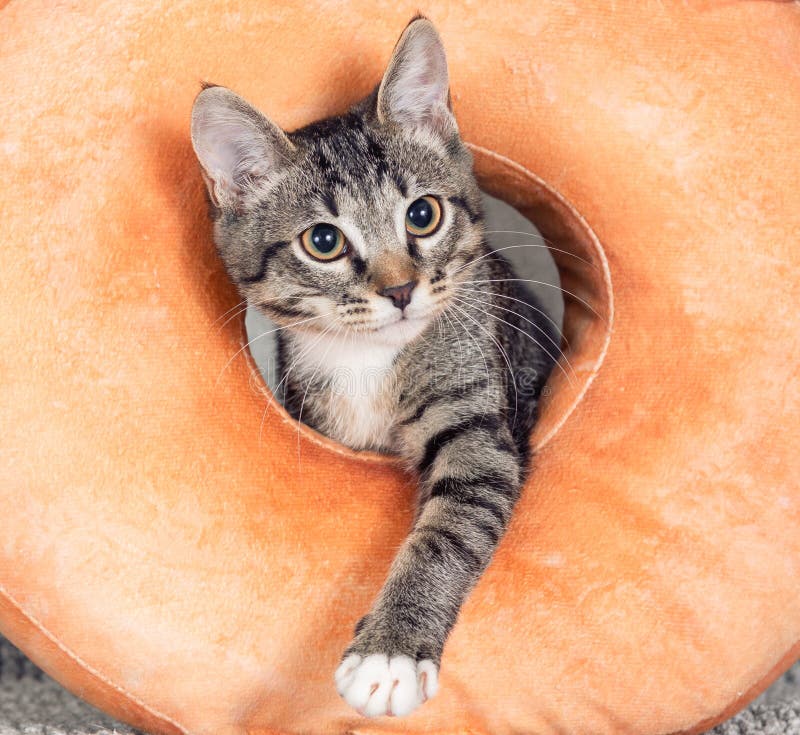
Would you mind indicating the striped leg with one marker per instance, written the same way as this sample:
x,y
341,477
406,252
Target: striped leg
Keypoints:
x,y
470,475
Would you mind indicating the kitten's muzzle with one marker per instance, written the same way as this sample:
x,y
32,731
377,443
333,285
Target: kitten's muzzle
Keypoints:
x,y
400,295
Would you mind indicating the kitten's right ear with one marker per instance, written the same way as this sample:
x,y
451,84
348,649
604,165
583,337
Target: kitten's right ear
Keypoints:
x,y
236,145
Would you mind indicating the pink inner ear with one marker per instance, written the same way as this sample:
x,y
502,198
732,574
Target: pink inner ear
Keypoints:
x,y
417,90
229,152
231,140
416,84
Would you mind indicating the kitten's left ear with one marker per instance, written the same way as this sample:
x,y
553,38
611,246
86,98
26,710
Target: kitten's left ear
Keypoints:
x,y
415,89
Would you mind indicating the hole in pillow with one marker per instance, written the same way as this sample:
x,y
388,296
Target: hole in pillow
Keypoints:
x,y
560,253
585,283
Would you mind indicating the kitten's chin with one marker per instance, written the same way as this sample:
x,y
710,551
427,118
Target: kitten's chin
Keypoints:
x,y
399,333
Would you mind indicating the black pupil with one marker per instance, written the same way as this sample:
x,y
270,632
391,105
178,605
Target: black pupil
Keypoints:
x,y
325,238
420,213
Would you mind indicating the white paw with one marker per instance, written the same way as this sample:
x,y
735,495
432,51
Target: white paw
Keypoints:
x,y
377,685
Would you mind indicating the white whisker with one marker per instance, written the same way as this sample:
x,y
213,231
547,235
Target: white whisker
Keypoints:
x,y
232,316
555,360
547,242
224,314
260,336
476,294
300,356
458,339
245,306
542,283
477,344
309,381
522,245
483,292
502,352
480,349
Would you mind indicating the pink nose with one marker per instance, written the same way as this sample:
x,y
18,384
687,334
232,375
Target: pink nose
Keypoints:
x,y
400,295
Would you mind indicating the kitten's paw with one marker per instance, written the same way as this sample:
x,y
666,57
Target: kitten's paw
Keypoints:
x,y
378,685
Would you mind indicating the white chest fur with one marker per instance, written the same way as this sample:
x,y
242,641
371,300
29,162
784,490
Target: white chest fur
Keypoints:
x,y
359,406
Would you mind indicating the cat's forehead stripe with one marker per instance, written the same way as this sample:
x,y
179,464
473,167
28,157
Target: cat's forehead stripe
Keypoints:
x,y
401,184
329,201
344,153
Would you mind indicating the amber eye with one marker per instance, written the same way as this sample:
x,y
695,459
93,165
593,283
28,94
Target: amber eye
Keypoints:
x,y
423,216
324,242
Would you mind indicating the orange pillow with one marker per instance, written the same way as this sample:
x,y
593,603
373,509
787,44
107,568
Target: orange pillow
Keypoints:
x,y
178,551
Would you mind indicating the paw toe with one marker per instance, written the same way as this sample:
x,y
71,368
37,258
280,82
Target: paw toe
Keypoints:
x,y
368,689
377,684
427,679
403,698
346,671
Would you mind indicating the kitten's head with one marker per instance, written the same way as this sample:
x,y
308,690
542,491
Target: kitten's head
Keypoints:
x,y
356,224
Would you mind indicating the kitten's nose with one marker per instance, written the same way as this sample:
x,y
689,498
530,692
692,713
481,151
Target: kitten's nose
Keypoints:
x,y
400,295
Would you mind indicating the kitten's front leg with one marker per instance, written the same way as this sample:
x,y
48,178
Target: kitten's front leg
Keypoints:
x,y
470,475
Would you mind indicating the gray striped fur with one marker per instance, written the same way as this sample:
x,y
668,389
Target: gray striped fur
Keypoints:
x,y
456,398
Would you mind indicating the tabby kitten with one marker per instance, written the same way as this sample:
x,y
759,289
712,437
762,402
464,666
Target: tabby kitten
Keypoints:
x,y
363,236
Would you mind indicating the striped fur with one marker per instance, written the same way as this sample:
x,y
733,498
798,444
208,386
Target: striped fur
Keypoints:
x,y
451,384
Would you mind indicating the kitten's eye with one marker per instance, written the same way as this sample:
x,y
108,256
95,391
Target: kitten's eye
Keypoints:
x,y
324,242
423,216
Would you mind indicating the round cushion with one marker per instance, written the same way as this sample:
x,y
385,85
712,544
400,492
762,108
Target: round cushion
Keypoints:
x,y
179,552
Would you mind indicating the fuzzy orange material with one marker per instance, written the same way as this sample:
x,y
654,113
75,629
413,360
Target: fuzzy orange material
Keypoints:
x,y
179,552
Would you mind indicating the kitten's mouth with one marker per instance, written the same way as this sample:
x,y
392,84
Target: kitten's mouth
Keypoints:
x,y
404,319
405,328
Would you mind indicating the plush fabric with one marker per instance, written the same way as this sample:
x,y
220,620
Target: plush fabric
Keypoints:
x,y
31,703
177,551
